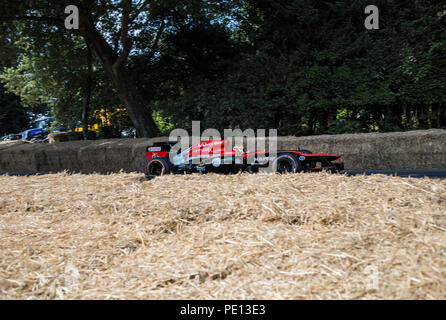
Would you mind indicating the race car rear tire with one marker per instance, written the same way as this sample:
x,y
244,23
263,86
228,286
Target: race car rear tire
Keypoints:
x,y
287,163
157,167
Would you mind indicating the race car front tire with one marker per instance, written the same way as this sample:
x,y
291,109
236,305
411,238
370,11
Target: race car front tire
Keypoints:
x,y
287,163
157,167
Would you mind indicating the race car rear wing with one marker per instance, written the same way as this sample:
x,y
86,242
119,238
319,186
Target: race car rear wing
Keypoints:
x,y
161,146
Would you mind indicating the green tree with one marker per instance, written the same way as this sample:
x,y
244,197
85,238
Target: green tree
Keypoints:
x,y
301,66
311,67
13,117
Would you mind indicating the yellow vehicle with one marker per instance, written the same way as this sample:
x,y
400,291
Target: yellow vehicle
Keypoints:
x,y
94,128
104,118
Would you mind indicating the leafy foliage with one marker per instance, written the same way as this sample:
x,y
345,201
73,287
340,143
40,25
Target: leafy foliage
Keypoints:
x,y
301,66
13,118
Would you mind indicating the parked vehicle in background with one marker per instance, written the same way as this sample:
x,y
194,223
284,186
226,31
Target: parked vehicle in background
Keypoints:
x,y
11,137
40,128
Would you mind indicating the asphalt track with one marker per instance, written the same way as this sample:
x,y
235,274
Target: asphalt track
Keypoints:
x,y
418,173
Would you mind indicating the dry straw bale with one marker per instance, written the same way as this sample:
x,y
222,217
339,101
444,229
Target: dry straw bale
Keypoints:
x,y
56,137
107,155
303,236
374,151
396,150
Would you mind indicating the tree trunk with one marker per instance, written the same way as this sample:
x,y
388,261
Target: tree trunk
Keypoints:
x,y
125,86
323,122
87,99
138,111
310,123
422,121
442,117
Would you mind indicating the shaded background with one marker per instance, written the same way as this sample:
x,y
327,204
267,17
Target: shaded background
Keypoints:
x,y
304,67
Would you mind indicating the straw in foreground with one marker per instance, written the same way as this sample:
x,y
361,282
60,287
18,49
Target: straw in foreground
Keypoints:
x,y
303,236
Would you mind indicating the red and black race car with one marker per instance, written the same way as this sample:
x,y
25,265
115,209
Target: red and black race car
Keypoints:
x,y
216,156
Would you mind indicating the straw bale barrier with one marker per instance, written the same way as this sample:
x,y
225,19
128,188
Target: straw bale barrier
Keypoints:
x,y
247,236
421,149
398,150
